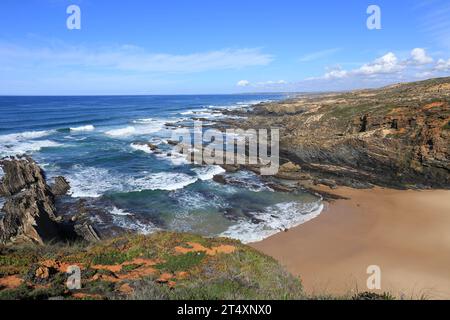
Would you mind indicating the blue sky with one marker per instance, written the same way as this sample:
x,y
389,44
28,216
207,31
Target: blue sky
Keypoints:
x,y
196,46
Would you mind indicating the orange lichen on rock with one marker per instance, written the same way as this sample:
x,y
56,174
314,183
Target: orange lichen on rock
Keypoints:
x,y
10,282
42,272
164,278
145,269
118,267
58,265
197,247
181,275
126,289
80,295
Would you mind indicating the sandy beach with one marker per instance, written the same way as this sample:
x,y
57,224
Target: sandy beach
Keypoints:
x,y
405,233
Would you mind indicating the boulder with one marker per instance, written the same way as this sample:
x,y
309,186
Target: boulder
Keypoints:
x,y
220,179
60,187
289,167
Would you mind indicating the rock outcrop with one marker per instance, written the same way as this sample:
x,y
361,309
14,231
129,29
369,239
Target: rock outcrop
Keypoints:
x,y
60,187
397,136
30,208
30,205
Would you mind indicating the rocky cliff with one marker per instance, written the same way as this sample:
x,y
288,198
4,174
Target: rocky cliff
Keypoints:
x,y
29,210
396,136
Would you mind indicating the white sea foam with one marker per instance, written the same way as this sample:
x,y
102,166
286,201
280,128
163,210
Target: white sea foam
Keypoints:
x,y
208,172
143,121
273,220
193,111
141,147
121,132
24,142
90,182
142,127
175,158
83,128
119,212
194,200
248,180
23,147
27,135
128,223
163,181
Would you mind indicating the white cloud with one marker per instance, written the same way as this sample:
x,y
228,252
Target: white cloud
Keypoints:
x,y
419,56
271,82
383,70
386,64
133,59
336,73
243,83
443,65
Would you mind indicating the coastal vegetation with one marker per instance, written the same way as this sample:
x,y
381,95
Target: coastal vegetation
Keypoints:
x,y
163,265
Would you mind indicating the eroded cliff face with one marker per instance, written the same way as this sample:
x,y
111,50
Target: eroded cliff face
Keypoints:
x,y
29,213
29,207
395,136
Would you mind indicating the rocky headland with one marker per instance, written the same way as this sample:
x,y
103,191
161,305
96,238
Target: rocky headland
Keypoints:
x,y
397,136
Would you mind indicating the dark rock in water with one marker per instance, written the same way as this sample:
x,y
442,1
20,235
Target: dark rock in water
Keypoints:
x,y
173,142
61,186
280,188
230,168
231,214
220,179
151,146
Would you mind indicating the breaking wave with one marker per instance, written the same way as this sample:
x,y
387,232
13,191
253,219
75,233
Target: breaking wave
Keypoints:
x,y
83,128
274,219
163,181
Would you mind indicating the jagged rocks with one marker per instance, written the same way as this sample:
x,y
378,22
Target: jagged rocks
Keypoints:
x,y
86,232
397,136
29,209
60,187
18,174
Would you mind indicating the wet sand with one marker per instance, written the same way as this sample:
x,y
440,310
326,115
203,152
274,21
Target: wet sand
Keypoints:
x,y
405,233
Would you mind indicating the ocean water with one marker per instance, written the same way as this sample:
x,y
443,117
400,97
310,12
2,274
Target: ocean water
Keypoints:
x,y
94,143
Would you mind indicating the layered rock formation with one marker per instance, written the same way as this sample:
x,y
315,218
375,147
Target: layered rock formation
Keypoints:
x,y
29,209
397,136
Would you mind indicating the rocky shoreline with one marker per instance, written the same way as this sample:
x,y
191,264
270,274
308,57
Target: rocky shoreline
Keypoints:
x,y
397,136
